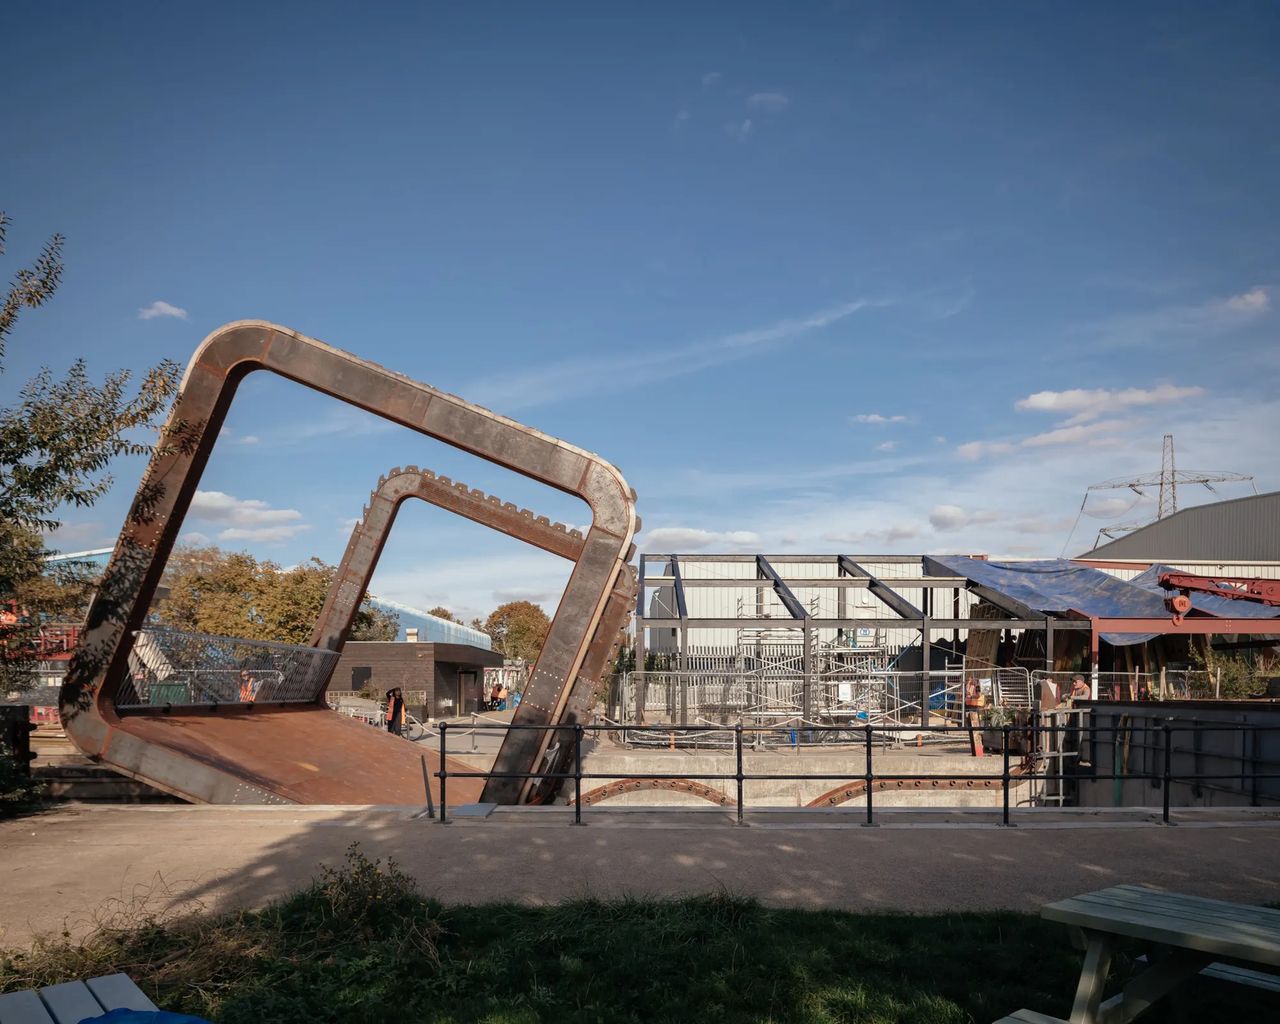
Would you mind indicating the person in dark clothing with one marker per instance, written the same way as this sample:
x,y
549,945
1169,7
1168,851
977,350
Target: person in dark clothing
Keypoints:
x,y
395,711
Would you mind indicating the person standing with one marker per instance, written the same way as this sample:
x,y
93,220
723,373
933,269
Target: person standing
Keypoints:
x,y
248,690
395,711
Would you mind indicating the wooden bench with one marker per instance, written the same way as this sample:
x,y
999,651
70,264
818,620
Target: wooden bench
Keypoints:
x,y
1189,936
73,1001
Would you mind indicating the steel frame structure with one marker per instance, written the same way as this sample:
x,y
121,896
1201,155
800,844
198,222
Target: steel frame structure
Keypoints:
x,y
849,572
213,756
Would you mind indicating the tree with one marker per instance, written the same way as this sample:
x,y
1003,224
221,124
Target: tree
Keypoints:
x,y
234,594
519,629
441,612
55,446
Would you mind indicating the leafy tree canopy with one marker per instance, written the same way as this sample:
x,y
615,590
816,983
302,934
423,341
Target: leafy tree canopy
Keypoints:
x,y
519,629
234,594
56,443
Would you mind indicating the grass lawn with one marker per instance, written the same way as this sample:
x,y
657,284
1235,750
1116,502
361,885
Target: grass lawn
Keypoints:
x,y
362,944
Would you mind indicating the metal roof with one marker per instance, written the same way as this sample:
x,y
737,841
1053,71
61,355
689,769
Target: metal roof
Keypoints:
x,y
1242,530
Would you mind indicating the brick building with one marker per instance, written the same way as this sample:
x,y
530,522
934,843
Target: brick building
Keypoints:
x,y
451,675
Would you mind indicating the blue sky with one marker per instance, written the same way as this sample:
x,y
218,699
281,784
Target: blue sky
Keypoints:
x,y
860,277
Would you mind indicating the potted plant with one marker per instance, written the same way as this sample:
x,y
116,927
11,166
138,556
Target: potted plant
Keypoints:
x,y
994,719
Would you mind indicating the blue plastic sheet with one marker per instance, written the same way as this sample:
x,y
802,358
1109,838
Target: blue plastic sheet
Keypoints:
x,y
1056,586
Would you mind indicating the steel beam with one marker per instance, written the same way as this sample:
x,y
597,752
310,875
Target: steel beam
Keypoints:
x,y
223,360
794,608
658,622
1197,627
896,602
809,583
682,609
364,549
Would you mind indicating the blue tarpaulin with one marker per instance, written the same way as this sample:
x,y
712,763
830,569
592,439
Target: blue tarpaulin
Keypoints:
x,y
1055,586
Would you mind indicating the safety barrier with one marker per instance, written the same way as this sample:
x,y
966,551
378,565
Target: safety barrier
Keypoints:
x,y
1005,779
172,668
1180,684
832,696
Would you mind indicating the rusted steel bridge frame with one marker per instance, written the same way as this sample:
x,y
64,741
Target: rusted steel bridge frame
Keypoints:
x,y
369,537
223,359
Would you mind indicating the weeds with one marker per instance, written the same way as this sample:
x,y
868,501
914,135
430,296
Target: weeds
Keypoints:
x,y
361,944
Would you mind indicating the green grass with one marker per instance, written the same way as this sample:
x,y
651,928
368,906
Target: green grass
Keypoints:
x,y
362,944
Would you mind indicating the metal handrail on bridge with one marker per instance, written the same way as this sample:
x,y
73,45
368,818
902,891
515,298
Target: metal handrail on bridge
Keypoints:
x,y
869,777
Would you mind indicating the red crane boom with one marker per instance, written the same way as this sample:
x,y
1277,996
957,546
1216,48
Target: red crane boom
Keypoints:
x,y
1240,588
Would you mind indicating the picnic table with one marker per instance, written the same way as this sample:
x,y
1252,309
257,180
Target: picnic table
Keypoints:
x,y
1188,936
73,1001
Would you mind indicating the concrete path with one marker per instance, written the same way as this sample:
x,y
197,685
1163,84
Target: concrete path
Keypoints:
x,y
80,864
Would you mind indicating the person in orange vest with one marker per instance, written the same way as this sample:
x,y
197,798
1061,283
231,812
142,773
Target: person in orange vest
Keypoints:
x,y
247,689
395,711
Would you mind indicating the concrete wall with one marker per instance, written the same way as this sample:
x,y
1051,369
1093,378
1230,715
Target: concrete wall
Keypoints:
x,y
1236,754
605,758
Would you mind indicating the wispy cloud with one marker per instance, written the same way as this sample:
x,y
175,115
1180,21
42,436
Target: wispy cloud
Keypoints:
x,y
246,519
877,418
1179,322
679,539
573,377
945,518
772,102
886,446
712,78
1092,435
1089,403
739,130
159,308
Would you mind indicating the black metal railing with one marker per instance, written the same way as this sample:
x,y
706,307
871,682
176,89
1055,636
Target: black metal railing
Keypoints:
x,y
1165,778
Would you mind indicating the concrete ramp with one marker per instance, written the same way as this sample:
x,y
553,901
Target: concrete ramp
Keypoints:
x,y
276,755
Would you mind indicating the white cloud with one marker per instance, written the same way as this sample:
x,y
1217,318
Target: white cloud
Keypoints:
x,y
875,417
952,517
643,364
1255,300
1102,432
193,537
159,308
262,534
682,115
739,130
1088,403
773,102
1169,323
886,446
1081,433
712,78
246,519
679,539
971,450
249,439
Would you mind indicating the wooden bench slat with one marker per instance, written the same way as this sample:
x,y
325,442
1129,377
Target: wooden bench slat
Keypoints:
x,y
23,1008
1198,907
1189,906
1243,976
1222,937
118,992
1263,933
71,1002
1030,1017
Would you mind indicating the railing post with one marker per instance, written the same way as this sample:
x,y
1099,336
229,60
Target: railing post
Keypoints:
x,y
1168,768
737,744
870,777
444,775
577,774
1005,779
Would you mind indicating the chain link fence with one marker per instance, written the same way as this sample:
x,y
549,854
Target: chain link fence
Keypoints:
x,y
168,667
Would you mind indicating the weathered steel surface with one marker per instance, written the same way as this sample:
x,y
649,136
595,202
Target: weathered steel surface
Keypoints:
x,y
179,759
292,754
688,786
369,536
853,790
